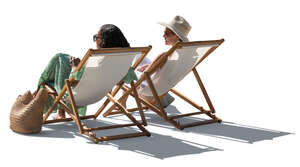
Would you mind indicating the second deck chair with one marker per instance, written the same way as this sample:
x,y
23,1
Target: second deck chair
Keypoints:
x,y
103,69
181,59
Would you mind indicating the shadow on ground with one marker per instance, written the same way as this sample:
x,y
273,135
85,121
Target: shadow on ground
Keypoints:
x,y
157,146
224,130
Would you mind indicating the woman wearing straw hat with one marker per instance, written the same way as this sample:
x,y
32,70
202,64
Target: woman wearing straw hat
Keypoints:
x,y
175,31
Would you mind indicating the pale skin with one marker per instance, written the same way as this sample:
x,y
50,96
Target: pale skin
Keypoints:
x,y
170,39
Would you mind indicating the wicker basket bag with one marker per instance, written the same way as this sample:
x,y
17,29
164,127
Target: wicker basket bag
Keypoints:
x,y
26,114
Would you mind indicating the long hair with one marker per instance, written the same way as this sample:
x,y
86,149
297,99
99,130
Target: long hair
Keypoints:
x,y
111,36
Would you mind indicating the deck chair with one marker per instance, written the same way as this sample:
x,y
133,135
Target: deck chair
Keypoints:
x,y
181,59
103,69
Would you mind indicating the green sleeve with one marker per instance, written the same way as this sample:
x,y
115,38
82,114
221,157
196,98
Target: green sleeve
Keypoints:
x,y
130,76
77,75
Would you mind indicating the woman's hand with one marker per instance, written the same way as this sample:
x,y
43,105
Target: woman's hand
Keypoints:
x,y
74,61
143,68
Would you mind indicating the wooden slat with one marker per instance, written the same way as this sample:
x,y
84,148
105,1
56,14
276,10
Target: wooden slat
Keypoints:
x,y
148,104
116,50
109,127
114,92
123,136
67,119
186,115
125,94
155,66
66,109
187,99
209,52
198,123
136,109
126,113
82,62
194,43
140,59
155,95
129,110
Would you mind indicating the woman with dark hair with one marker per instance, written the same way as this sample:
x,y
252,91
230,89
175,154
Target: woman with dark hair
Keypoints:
x,y
60,66
110,36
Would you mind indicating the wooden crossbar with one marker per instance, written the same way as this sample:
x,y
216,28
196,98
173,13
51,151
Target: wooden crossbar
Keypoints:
x,y
160,110
74,116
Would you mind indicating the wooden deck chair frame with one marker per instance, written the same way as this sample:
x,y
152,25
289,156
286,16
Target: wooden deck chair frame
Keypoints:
x,y
83,129
159,109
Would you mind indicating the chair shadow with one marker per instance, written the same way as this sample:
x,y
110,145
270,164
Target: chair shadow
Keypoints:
x,y
162,146
157,146
224,130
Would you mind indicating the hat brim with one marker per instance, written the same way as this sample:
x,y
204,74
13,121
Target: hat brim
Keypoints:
x,y
178,33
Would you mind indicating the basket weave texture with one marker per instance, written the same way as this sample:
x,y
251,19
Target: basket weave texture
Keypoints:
x,y
26,114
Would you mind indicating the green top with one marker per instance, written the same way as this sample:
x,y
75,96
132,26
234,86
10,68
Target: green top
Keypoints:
x,y
57,71
130,76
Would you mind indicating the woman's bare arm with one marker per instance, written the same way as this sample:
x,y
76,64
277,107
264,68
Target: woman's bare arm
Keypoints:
x,y
157,59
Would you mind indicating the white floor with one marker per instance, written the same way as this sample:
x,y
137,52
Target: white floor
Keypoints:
x,y
252,80
259,139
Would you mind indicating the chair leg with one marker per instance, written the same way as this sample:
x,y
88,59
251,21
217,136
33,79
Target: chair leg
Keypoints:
x,y
203,90
138,103
170,119
157,101
89,131
56,101
72,101
155,95
110,110
127,113
114,92
202,111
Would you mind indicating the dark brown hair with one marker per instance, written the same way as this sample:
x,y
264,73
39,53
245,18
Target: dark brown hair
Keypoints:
x,y
111,36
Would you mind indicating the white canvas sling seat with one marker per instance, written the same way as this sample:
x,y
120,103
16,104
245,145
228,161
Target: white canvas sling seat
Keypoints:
x,y
177,66
103,69
182,58
101,73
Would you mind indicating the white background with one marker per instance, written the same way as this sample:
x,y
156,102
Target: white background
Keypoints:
x,y
252,79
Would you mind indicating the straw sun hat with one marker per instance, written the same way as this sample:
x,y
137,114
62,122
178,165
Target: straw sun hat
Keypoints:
x,y
179,26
